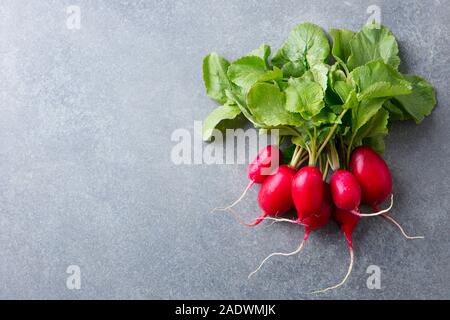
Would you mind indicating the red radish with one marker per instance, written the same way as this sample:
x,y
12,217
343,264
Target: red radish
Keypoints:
x,y
345,190
274,196
269,156
348,221
311,223
375,179
373,175
259,169
307,191
346,193
321,218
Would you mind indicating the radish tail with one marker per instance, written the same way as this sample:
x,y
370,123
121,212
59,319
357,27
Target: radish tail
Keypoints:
x,y
300,248
255,222
237,216
378,213
251,183
281,220
389,218
270,224
349,271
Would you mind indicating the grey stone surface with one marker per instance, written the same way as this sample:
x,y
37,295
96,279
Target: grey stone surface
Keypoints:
x,y
86,118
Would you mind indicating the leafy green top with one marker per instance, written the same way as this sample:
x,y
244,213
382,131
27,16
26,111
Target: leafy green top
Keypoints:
x,y
350,102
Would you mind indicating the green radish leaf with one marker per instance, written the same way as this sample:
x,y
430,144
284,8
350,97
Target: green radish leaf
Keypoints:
x,y
266,104
421,102
336,74
318,73
336,108
262,52
376,126
304,97
396,111
324,117
212,121
307,43
339,83
343,89
376,143
215,77
384,90
377,80
282,84
341,44
332,99
352,102
373,42
248,70
281,131
299,141
275,74
365,110
293,69
235,97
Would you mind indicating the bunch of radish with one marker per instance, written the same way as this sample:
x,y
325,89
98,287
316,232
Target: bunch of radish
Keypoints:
x,y
367,181
332,108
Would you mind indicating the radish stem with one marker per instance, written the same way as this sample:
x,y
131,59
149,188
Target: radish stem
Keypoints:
x,y
330,134
325,171
297,155
294,155
301,161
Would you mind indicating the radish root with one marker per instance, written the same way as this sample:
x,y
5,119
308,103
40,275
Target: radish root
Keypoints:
x,y
349,271
237,216
378,213
269,225
275,220
389,218
300,248
239,219
254,223
237,201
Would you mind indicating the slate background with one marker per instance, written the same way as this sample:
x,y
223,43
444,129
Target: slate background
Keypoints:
x,y
86,118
